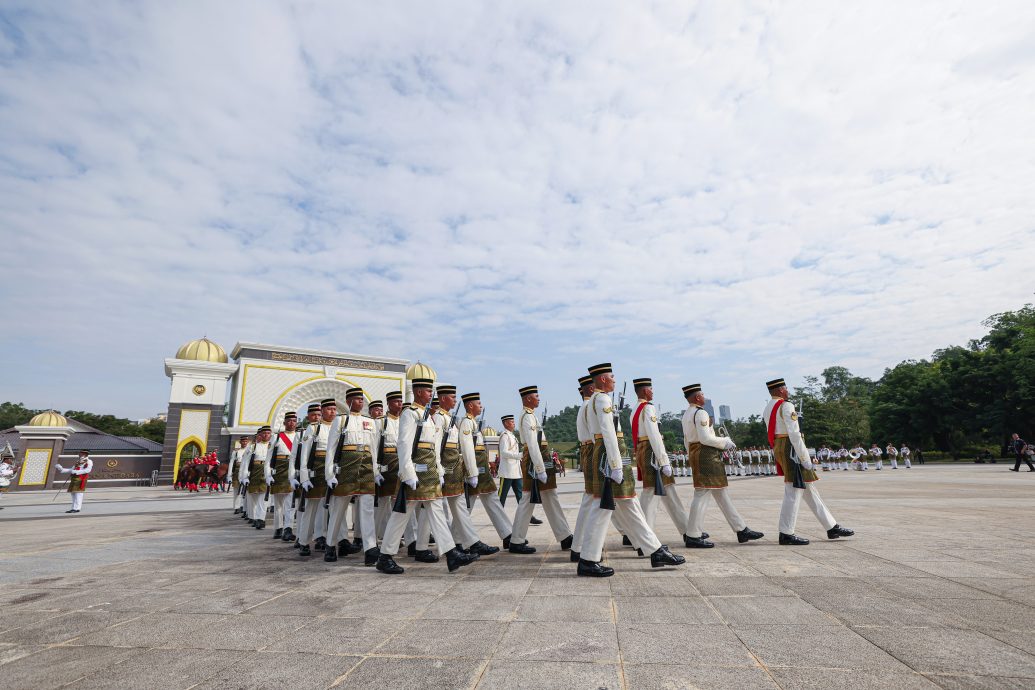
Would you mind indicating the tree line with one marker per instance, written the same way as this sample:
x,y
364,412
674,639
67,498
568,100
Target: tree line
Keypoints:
x,y
14,414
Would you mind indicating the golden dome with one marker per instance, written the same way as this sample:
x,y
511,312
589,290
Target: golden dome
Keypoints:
x,y
49,418
203,350
489,431
420,371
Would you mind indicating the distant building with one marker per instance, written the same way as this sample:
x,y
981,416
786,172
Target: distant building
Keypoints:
x,y
708,408
724,413
160,417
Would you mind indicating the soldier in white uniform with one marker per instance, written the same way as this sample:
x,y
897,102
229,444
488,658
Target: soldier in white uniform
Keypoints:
x,y
585,437
842,458
509,469
905,453
704,449
616,479
799,474
421,478
253,477
80,473
479,478
859,458
233,471
279,475
536,468
892,452
311,476
878,456
312,417
352,471
651,457
823,454
388,489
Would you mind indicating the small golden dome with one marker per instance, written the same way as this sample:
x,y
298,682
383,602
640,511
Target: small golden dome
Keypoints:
x,y
489,432
49,418
203,350
420,371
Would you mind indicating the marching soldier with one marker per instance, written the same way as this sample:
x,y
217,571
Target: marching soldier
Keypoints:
x,y
612,465
878,456
842,458
390,471
253,477
651,458
77,482
799,474
535,468
312,417
352,442
279,476
859,457
234,470
824,456
704,449
756,460
312,477
589,476
892,452
905,453
476,460
509,471
421,474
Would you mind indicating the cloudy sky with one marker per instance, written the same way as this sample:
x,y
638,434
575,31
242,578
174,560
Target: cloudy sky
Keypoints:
x,y
715,192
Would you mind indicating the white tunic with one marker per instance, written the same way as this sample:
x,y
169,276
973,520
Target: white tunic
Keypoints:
x,y
510,456
787,423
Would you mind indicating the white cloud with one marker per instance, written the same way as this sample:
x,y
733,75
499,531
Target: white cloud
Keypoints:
x,y
734,190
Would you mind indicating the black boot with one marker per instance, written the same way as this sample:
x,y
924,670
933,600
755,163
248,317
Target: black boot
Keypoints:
x,y
321,544
593,569
260,524
304,550
697,542
839,531
574,556
371,556
480,548
663,557
705,535
411,549
288,534
535,521
506,543
330,554
625,541
566,542
387,565
748,534
347,548
278,533
791,540
455,558
425,556
237,511
521,548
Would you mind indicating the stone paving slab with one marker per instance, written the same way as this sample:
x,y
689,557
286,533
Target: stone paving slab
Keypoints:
x,y
936,590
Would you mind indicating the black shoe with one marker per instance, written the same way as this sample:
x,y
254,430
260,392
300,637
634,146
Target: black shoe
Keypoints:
x,y
1017,470
426,556
330,554
506,543
298,544
288,534
237,511
357,542
838,531
747,534
625,541
697,543
347,548
639,553
791,540
480,548
455,558
566,542
705,535
575,556
70,510
75,511
371,556
278,533
260,524
387,565
521,548
321,544
411,549
251,523
304,550
535,521
593,569
663,557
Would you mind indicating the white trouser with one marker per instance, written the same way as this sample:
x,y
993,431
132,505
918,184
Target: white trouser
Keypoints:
x,y
384,511
313,523
257,506
436,519
494,509
554,515
673,506
237,496
791,501
894,462
461,527
581,522
337,530
629,514
283,513
77,500
905,459
695,518
879,462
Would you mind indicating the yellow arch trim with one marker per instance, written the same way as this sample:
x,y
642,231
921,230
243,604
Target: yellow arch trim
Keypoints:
x,y
179,449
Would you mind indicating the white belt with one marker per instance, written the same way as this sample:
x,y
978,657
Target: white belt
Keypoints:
x,y
626,462
481,470
420,467
382,468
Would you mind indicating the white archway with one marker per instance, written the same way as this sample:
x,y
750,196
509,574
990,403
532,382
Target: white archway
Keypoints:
x,y
309,392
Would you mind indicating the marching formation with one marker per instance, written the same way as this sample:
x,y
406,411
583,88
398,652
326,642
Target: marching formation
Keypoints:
x,y
409,477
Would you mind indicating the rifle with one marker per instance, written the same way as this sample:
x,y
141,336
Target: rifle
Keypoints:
x,y
380,454
468,497
273,461
607,495
302,494
400,498
333,462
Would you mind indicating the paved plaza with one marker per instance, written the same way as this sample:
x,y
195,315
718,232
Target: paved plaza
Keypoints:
x,y
936,590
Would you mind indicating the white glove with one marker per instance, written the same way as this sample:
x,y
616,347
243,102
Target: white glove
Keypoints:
x,y
730,445
442,481
379,479
294,483
541,476
807,465
244,482
412,483
666,470
307,485
332,483
472,482
269,481
616,476
60,468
